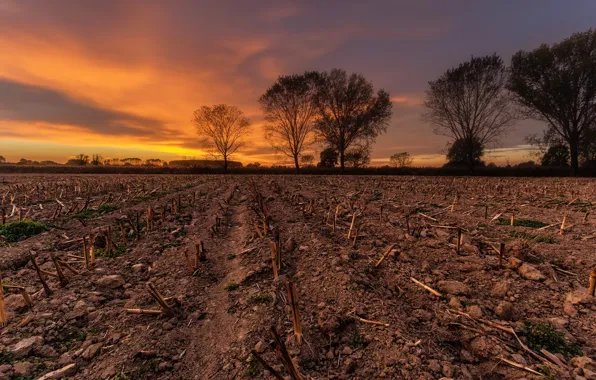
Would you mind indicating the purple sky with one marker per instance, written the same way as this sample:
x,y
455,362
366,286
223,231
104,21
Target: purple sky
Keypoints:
x,y
122,77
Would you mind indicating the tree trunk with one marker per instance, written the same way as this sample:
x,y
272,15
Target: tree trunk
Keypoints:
x,y
471,157
225,164
296,163
574,156
342,156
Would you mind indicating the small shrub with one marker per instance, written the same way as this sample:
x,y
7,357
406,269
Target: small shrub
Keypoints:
x,y
15,231
231,286
540,335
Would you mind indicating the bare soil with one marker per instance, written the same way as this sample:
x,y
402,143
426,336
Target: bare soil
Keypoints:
x,y
361,318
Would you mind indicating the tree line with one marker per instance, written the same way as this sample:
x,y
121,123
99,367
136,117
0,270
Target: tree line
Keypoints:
x,y
474,104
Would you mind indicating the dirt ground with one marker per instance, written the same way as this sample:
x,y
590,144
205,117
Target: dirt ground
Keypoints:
x,y
394,277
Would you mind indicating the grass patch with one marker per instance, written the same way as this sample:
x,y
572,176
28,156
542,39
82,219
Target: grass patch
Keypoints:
x,y
539,336
263,298
6,357
115,252
15,231
537,238
522,223
85,214
252,367
231,286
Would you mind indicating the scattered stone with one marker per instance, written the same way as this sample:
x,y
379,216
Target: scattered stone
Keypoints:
x,y
454,287
24,347
480,347
500,289
91,351
112,281
579,296
530,272
504,310
346,351
47,351
434,365
475,311
14,302
569,309
290,245
138,268
164,366
259,347
455,303
22,368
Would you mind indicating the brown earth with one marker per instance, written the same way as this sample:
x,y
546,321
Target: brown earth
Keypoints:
x,y
227,307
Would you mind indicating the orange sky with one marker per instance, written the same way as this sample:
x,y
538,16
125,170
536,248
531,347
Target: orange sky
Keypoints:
x,y
122,78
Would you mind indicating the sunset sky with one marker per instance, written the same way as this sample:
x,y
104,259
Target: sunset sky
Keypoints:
x,y
122,78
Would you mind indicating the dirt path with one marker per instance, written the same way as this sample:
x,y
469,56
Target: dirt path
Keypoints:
x,y
214,346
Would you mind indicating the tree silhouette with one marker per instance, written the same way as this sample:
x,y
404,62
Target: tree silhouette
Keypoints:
x,y
470,104
96,159
349,110
358,156
221,129
328,158
290,113
401,160
459,153
557,84
556,155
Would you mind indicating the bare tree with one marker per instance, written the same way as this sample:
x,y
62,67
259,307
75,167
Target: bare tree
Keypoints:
x,y
96,159
349,110
221,129
557,84
290,112
470,104
401,160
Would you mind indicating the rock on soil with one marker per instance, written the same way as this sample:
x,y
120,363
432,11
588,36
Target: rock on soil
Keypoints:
x,y
454,287
112,281
530,272
24,347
